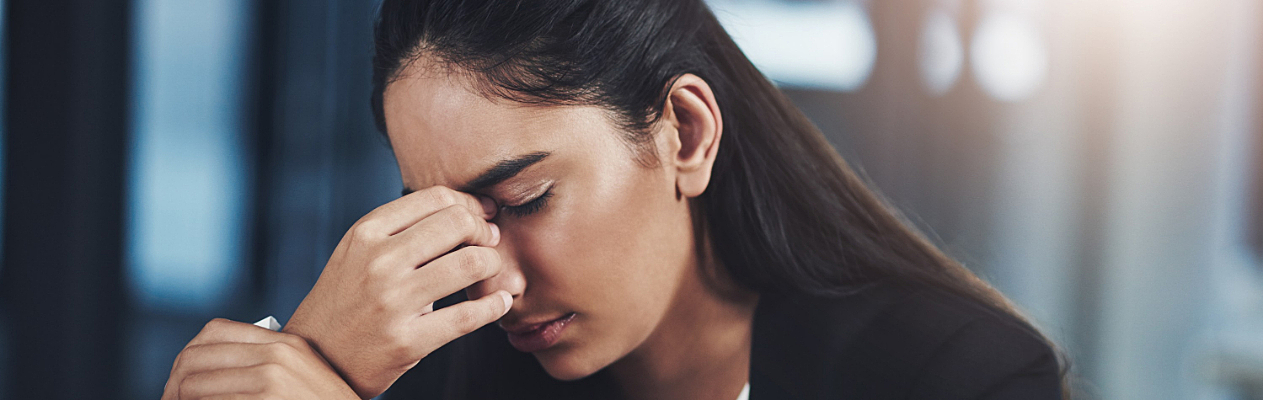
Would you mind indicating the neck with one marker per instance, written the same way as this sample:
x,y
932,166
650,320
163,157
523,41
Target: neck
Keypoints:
x,y
701,349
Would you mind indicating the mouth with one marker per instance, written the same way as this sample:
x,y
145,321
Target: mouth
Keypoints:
x,y
538,336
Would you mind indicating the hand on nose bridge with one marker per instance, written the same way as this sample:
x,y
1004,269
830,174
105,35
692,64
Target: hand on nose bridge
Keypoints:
x,y
510,278
369,313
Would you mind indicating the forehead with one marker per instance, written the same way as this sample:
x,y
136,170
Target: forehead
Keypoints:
x,y
445,133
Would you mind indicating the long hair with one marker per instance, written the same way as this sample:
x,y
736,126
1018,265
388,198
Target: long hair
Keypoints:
x,y
786,215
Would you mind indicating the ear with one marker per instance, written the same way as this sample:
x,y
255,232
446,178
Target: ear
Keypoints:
x,y
692,127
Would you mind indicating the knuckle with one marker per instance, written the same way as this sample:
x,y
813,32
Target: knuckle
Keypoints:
x,y
472,264
378,304
386,299
189,353
375,211
215,324
267,389
400,348
175,365
185,389
397,339
189,383
271,372
277,351
211,328
460,219
364,230
440,195
295,342
379,265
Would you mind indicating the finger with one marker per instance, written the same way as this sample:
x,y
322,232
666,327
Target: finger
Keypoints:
x,y
243,380
207,357
230,396
223,330
439,233
395,216
449,323
454,271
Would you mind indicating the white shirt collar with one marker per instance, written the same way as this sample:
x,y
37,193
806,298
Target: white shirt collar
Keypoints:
x,y
745,392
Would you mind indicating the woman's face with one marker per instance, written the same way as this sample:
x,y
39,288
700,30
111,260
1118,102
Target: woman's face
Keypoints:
x,y
590,237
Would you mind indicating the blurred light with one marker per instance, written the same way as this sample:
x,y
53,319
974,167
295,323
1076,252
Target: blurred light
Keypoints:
x,y
188,184
828,45
941,53
1008,56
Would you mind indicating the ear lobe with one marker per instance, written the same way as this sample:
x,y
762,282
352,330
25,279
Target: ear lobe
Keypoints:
x,y
692,110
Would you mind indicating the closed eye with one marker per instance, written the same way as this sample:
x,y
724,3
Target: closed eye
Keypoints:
x,y
530,207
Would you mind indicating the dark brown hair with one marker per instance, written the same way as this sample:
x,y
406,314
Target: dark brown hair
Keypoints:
x,y
785,213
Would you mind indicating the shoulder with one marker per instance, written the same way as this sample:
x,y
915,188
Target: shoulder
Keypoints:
x,y
888,342
973,352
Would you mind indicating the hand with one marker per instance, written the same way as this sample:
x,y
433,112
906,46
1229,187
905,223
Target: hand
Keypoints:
x,y
241,361
371,313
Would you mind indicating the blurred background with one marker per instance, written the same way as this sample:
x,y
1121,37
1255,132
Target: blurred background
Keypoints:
x,y
1100,161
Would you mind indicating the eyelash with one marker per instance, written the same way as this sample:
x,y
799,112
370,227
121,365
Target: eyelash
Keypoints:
x,y
529,207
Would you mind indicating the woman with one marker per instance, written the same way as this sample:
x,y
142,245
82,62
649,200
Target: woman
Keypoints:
x,y
645,215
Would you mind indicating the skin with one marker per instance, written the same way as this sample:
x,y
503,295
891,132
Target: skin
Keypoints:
x,y
370,316
615,243
233,360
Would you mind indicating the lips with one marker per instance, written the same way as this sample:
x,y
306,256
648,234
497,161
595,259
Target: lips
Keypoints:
x,y
530,338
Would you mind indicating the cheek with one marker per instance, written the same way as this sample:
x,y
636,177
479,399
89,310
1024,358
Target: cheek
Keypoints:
x,y
612,250
614,253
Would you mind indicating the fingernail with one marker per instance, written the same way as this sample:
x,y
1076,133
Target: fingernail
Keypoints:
x,y
495,233
488,205
508,301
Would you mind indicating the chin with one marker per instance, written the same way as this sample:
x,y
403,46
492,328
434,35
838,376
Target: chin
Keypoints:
x,y
567,364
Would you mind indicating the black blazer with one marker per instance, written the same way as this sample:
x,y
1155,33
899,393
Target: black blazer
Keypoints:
x,y
884,342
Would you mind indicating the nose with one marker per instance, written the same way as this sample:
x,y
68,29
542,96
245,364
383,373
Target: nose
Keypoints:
x,y
509,279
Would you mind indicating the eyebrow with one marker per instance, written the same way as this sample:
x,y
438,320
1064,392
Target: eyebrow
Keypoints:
x,y
500,172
